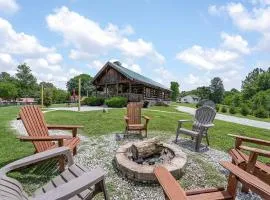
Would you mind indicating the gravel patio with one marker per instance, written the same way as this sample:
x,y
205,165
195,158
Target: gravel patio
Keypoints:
x,y
202,169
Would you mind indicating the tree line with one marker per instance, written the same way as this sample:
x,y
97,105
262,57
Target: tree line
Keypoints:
x,y
24,84
253,98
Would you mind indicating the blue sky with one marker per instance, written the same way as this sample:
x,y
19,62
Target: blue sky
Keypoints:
x,y
185,41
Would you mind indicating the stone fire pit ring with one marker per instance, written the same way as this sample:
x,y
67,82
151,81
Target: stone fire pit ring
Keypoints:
x,y
145,173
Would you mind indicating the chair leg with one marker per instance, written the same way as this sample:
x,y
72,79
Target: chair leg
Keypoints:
x,y
207,140
198,143
75,151
61,163
146,132
104,190
177,135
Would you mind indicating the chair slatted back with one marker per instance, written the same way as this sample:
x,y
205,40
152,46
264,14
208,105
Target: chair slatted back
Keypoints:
x,y
11,189
203,115
134,112
35,125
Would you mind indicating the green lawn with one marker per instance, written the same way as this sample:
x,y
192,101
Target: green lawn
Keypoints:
x,y
99,123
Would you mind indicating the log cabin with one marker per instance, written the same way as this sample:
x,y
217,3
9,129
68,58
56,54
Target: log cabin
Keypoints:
x,y
115,80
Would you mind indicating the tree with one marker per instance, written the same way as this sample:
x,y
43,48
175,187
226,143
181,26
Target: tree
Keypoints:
x,y
175,90
217,90
203,92
249,87
26,81
6,77
47,101
8,91
86,84
46,85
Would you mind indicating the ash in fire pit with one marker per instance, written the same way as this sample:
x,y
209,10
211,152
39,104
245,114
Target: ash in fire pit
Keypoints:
x,y
137,160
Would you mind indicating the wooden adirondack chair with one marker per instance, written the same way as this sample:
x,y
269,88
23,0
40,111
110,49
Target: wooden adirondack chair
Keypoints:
x,y
133,118
37,129
75,182
203,120
250,162
173,191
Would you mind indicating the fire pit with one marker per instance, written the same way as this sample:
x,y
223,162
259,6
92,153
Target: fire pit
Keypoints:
x,y
137,160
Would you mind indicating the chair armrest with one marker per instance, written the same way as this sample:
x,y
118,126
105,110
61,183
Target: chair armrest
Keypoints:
x,y
75,186
184,120
44,138
207,125
254,183
126,118
260,152
146,117
170,186
251,140
29,160
63,127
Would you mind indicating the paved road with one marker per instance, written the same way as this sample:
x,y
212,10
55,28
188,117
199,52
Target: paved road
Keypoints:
x,y
83,108
228,118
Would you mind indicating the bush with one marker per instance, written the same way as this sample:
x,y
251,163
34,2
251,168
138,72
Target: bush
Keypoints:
x,y
244,110
116,102
232,110
223,109
47,97
93,101
161,103
217,107
261,113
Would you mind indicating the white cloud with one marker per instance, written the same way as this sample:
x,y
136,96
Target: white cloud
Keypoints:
x,y
89,37
38,64
19,43
96,64
235,42
6,62
80,55
164,76
9,6
133,67
54,58
208,59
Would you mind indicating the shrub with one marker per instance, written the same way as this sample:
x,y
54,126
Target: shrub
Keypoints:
x,y
232,110
244,110
161,103
93,101
217,107
223,109
116,102
261,113
47,97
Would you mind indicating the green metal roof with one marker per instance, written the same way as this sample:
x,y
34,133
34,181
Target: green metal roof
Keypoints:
x,y
135,76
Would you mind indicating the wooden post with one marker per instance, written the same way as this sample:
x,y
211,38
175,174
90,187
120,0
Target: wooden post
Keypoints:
x,y
96,91
79,95
117,88
42,95
106,90
129,90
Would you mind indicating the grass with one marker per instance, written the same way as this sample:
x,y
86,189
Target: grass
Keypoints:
x,y
11,148
227,113
97,123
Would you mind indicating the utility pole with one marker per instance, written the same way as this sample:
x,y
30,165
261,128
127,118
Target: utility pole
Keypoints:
x,y
41,95
79,95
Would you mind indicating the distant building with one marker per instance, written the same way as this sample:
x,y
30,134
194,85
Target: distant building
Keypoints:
x,y
190,99
25,101
115,80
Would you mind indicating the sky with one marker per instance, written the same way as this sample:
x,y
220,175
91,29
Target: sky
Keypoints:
x,y
186,41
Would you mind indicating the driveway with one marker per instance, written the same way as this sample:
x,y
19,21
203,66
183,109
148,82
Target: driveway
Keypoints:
x,y
228,118
83,108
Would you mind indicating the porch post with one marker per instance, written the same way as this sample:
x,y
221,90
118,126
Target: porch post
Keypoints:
x,y
106,90
129,90
117,88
